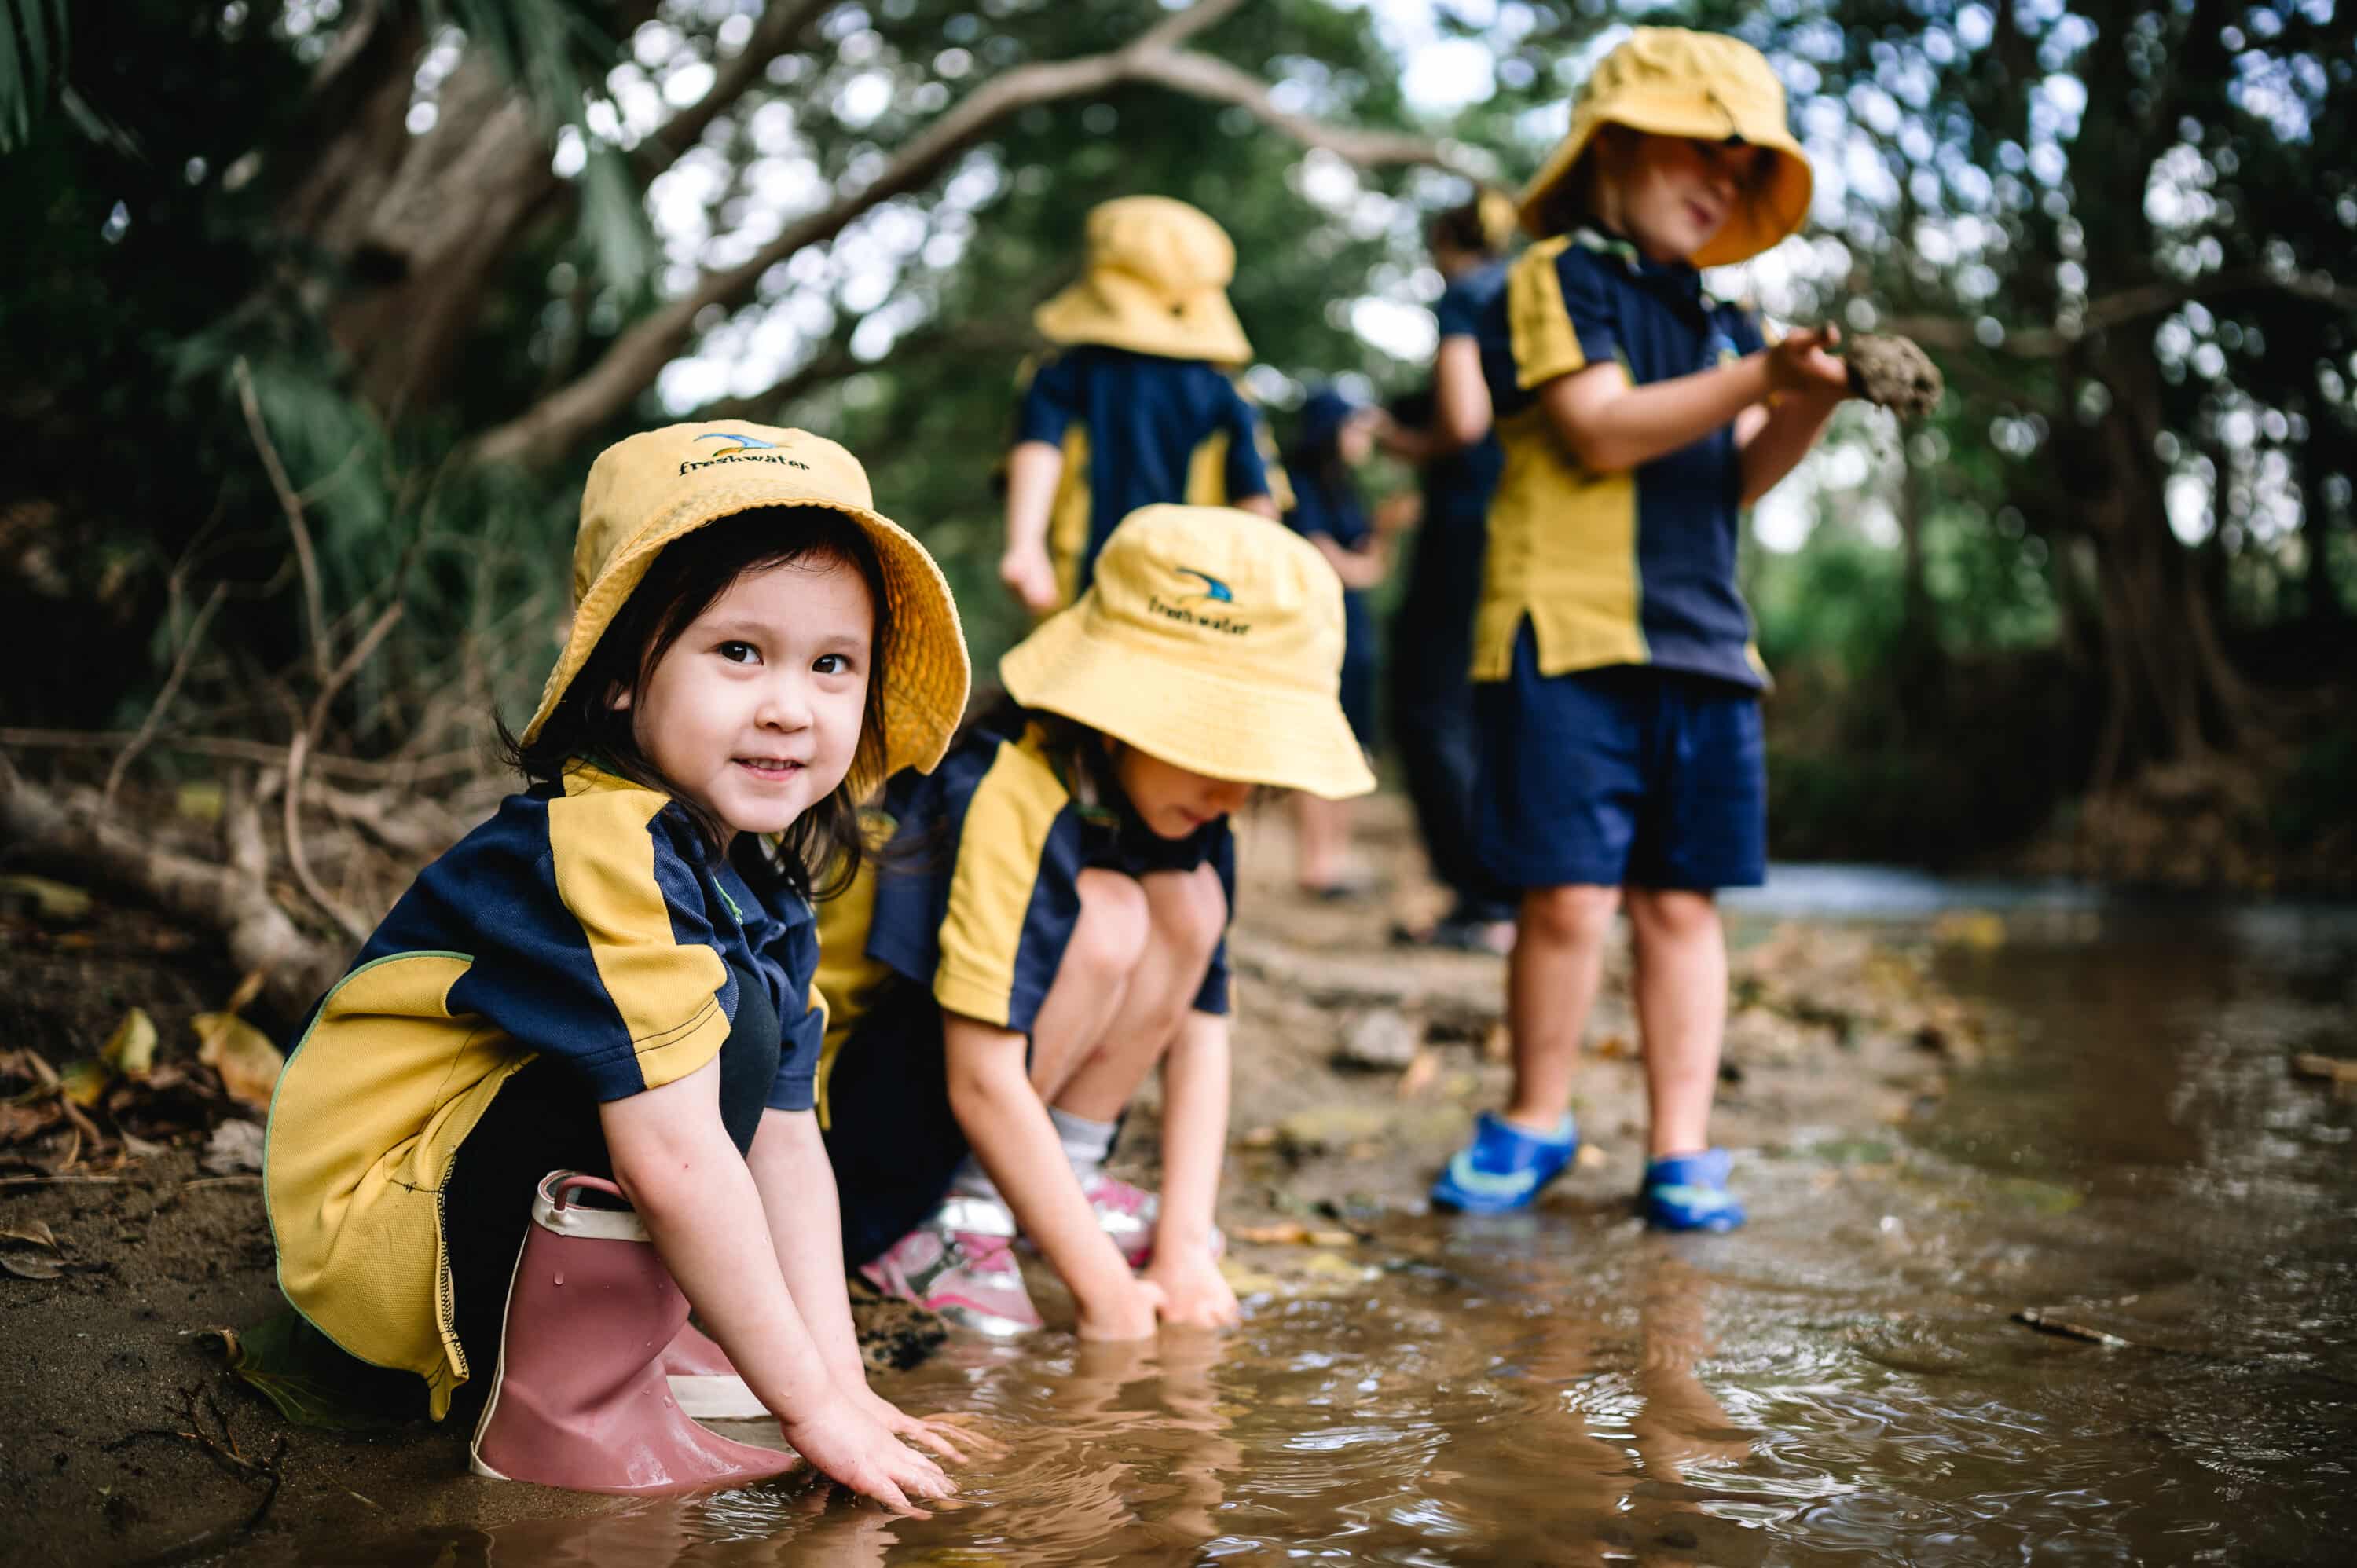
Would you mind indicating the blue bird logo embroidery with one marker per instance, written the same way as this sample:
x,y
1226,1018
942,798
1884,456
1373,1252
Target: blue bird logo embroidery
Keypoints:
x,y
739,443
1213,590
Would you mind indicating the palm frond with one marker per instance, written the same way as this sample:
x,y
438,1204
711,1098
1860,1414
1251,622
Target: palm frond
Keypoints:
x,y
32,63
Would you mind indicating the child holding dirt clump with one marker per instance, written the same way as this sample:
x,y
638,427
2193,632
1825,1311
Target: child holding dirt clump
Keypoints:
x,y
591,1026
1136,405
1615,686
1049,926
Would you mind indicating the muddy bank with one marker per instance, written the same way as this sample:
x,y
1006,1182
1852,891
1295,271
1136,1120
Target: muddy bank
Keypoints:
x,y
1358,1066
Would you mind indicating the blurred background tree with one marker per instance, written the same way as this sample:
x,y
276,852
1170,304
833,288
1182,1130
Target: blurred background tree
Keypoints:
x,y
320,306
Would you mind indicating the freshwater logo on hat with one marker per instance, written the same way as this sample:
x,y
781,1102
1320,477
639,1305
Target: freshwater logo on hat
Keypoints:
x,y
740,446
1212,592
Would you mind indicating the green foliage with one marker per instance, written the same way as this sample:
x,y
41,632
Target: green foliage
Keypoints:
x,y
32,63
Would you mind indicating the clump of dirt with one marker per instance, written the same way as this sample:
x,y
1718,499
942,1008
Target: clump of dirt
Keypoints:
x,y
1894,372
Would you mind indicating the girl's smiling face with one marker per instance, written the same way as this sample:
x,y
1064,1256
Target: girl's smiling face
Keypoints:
x,y
755,711
1170,800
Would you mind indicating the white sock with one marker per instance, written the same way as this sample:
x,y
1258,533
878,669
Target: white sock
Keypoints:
x,y
1086,1143
974,1181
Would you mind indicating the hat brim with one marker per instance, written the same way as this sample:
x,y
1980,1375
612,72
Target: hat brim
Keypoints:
x,y
1246,731
1759,223
1123,312
927,674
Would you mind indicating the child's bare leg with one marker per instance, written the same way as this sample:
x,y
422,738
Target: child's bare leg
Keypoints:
x,y
1102,954
1551,980
1185,912
1321,834
1680,983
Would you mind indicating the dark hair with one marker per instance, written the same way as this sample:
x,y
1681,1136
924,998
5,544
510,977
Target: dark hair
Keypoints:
x,y
1461,228
820,854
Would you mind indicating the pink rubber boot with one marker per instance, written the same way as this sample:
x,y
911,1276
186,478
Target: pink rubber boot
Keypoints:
x,y
704,1382
579,1398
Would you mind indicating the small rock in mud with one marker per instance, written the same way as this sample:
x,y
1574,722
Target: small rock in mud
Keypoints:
x,y
1385,1040
1894,374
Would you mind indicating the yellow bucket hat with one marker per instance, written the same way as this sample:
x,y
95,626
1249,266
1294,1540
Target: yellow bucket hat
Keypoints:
x,y
1670,81
1210,638
647,489
1157,283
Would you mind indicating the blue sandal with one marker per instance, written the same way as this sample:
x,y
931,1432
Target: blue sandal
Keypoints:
x,y
1688,1192
1504,1167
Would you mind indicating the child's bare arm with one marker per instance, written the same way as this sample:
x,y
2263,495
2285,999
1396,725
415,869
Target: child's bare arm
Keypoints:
x,y
1776,443
1462,408
697,1197
1362,568
1612,426
1194,1145
1001,1113
1034,469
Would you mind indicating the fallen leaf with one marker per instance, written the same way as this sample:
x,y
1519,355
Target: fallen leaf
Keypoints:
x,y
234,1148
33,1267
1422,1070
33,1232
83,1081
248,1063
2310,1064
1613,1047
131,1049
55,901
201,802
1292,1233
1590,1158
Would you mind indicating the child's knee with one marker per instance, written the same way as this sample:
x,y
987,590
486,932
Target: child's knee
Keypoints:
x,y
1578,915
1190,911
1111,935
1671,913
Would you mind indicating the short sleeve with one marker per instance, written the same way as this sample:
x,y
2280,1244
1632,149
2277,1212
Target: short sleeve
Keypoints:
x,y
1561,313
985,890
1213,995
1049,403
601,955
1247,469
1458,312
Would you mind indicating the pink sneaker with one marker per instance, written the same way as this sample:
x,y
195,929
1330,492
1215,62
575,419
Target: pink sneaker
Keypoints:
x,y
961,1264
1128,1213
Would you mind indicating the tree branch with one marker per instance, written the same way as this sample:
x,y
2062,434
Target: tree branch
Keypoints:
x,y
780,27
547,429
2140,303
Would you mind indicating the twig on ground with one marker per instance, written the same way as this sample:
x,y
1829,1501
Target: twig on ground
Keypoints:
x,y
156,709
296,754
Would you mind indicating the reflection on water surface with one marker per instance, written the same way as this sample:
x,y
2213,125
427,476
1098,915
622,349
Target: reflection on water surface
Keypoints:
x,y
1840,1383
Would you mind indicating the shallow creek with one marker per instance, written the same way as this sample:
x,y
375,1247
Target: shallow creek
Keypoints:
x,y
1841,1382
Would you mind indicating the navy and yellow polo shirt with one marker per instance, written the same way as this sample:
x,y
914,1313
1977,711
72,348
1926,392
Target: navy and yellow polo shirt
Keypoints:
x,y
1137,429
977,888
584,922
1625,568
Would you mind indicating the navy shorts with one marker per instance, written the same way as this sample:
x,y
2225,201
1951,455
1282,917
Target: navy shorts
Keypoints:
x,y
1627,776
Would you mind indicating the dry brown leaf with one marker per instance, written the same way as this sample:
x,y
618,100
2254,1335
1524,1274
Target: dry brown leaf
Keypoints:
x,y
33,1232
56,901
131,1049
248,1063
1422,1069
31,1266
83,1081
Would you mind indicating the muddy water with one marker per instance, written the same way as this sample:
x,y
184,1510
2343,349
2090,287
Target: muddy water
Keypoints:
x,y
1840,1383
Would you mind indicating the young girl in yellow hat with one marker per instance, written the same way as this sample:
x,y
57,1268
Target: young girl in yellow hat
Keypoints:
x,y
1137,406
1047,926
591,1026
1616,687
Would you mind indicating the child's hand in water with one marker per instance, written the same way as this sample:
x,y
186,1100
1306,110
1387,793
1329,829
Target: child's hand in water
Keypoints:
x,y
1194,1293
847,1444
1127,1310
1030,576
1802,362
944,1434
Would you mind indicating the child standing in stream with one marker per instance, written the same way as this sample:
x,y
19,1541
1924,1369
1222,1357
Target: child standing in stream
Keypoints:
x,y
576,1062
1136,406
1616,687
1048,926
